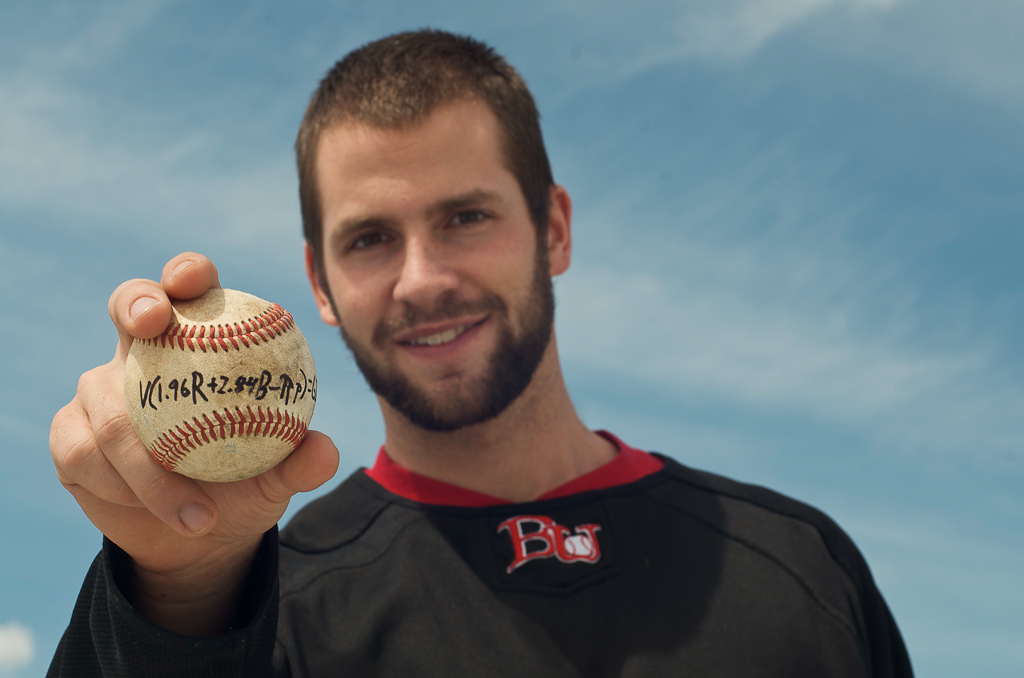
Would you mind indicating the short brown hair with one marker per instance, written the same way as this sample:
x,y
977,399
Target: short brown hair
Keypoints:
x,y
396,82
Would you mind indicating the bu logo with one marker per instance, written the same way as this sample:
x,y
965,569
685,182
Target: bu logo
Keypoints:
x,y
541,537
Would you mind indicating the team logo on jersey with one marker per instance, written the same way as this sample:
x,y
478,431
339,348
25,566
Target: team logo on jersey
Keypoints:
x,y
536,537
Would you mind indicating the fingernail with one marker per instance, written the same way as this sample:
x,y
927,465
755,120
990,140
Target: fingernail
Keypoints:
x,y
181,267
139,306
195,517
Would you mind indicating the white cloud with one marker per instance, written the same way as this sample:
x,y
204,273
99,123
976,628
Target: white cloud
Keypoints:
x,y
714,339
729,343
83,36
738,28
17,647
54,155
790,319
659,32
772,287
62,154
976,45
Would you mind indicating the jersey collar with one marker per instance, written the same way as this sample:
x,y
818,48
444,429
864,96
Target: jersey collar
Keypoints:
x,y
629,465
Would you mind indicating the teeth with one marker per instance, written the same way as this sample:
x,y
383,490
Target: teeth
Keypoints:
x,y
439,338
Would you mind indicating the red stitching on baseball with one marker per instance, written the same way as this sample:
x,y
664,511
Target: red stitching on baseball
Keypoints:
x,y
172,446
273,322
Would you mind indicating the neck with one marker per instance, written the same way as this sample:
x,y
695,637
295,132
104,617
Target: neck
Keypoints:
x,y
536,444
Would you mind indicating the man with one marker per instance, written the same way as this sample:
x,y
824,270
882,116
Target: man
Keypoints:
x,y
495,535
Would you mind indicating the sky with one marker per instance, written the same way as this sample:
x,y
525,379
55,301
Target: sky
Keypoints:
x,y
797,226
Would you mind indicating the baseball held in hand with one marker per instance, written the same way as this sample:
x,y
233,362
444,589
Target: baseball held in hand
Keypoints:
x,y
226,392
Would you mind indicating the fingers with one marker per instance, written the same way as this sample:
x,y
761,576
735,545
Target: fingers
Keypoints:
x,y
139,308
80,462
142,308
312,464
95,449
189,275
176,500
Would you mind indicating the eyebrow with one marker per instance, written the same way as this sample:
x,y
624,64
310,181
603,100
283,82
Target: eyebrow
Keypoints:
x,y
347,227
470,199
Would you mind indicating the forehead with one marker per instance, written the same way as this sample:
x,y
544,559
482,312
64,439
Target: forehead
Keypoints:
x,y
455,149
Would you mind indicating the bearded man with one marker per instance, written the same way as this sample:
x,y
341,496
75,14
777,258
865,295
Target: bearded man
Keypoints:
x,y
495,534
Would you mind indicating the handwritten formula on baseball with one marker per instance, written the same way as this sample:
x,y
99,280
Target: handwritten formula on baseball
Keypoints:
x,y
226,392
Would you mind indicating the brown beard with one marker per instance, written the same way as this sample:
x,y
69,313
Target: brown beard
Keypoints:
x,y
509,372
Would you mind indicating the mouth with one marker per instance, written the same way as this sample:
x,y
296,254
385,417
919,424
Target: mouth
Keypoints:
x,y
440,336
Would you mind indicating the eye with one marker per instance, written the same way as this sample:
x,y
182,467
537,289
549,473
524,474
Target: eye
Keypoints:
x,y
466,217
368,240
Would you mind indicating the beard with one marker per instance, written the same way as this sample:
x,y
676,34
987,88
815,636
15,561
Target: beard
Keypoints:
x,y
481,397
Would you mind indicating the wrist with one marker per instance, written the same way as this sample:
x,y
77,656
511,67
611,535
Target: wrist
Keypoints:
x,y
200,600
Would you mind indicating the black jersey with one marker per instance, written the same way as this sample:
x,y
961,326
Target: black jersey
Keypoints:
x,y
679,573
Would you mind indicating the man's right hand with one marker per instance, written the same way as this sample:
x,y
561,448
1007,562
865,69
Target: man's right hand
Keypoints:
x,y
191,542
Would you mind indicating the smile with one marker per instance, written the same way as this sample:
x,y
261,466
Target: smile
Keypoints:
x,y
439,338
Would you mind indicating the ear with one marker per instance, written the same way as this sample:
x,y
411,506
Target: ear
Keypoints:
x,y
559,230
323,300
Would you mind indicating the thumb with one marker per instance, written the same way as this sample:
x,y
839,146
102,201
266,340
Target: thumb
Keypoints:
x,y
312,464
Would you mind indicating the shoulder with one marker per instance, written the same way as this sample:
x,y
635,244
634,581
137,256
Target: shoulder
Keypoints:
x,y
796,536
770,543
800,540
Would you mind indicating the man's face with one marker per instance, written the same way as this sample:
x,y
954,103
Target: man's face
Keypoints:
x,y
434,271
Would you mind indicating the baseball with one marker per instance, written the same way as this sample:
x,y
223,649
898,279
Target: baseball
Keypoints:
x,y
226,392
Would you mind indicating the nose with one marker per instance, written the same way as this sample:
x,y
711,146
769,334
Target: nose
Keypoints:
x,y
425,277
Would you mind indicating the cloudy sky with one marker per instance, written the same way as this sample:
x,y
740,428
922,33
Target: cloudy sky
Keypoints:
x,y
798,226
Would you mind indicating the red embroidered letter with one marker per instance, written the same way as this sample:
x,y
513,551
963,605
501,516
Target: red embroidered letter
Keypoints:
x,y
550,540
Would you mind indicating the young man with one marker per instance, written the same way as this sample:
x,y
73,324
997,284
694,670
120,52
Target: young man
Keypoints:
x,y
496,534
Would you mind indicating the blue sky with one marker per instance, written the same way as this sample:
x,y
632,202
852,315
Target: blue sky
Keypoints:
x,y
797,233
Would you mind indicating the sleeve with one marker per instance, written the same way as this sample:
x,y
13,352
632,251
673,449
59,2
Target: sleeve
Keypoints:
x,y
889,657
883,645
108,638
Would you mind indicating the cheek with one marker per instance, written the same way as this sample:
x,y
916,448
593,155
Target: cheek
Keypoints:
x,y
519,291
360,305
509,261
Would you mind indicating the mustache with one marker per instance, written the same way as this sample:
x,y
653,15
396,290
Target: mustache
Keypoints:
x,y
447,310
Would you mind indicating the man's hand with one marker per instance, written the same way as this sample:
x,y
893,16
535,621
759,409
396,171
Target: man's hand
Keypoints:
x,y
191,542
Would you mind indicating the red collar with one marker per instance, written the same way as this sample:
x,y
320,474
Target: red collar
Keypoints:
x,y
629,464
